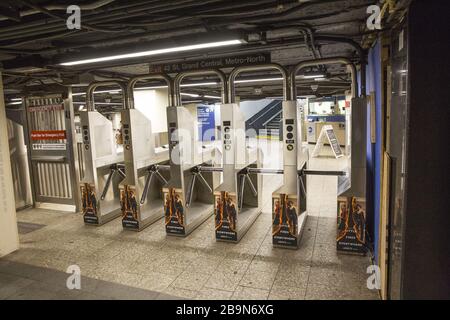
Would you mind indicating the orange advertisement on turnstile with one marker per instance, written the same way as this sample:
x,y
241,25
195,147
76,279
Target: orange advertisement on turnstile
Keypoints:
x,y
174,210
89,203
285,219
129,207
225,211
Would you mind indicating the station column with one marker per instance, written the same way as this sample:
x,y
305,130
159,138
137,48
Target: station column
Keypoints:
x,y
9,238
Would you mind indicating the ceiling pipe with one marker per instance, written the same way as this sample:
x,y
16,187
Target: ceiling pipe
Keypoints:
x,y
128,11
88,6
110,16
326,61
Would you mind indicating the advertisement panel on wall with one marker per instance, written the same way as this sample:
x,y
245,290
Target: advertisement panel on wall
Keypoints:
x,y
206,123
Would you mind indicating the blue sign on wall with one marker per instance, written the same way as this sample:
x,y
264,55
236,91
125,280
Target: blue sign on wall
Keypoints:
x,y
206,123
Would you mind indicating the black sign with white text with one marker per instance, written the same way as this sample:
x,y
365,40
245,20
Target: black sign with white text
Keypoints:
x,y
213,63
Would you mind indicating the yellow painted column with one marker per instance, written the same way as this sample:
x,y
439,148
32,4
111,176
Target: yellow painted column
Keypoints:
x,y
9,237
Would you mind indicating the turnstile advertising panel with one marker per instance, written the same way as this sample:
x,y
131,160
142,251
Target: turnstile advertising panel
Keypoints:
x,y
89,203
285,220
174,210
225,215
351,225
129,207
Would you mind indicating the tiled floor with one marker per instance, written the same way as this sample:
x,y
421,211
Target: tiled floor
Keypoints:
x,y
118,264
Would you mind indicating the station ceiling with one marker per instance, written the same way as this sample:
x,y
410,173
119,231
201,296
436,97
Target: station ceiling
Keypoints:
x,y
34,38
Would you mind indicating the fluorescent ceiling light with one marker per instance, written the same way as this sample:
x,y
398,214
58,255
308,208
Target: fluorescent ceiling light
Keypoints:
x,y
313,76
150,88
193,95
199,84
16,99
101,91
258,80
155,52
13,103
212,97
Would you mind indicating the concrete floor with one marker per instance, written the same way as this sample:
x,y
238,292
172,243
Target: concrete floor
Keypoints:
x,y
117,264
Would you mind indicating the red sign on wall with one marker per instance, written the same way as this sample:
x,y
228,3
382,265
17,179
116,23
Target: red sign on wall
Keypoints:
x,y
48,135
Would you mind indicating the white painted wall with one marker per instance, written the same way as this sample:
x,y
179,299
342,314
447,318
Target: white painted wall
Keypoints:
x,y
153,104
9,237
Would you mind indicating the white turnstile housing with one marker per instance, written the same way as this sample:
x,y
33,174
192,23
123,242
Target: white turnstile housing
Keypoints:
x,y
237,199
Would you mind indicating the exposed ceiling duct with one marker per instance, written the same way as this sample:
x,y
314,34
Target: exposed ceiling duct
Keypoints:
x,y
32,46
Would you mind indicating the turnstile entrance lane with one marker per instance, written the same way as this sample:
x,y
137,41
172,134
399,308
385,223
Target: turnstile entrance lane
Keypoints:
x,y
289,201
103,162
141,196
188,198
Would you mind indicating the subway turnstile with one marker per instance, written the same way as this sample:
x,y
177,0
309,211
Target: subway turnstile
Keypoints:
x,y
289,201
103,163
188,199
238,198
146,165
352,181
188,196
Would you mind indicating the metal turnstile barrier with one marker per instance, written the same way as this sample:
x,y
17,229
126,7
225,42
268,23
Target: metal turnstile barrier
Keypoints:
x,y
188,198
146,166
351,212
103,162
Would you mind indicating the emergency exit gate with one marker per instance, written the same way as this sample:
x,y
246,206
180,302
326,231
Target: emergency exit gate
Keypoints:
x,y
49,136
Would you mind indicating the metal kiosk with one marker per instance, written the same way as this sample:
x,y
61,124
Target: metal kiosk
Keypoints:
x,y
103,162
146,166
188,198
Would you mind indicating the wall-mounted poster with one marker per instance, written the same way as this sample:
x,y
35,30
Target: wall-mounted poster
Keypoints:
x,y
206,123
225,213
129,207
351,234
174,210
89,203
285,219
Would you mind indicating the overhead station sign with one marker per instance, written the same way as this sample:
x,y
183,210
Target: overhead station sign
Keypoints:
x,y
215,63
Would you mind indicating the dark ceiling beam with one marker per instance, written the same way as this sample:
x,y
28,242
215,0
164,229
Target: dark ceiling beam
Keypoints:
x,y
130,10
9,12
212,23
